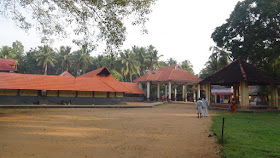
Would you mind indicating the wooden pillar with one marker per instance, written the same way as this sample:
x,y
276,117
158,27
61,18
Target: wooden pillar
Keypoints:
x,y
236,93
274,95
186,92
169,91
215,98
140,85
208,92
183,92
244,95
148,90
198,90
175,92
166,92
194,98
158,89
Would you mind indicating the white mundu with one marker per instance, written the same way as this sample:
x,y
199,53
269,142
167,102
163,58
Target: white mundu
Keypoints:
x,y
205,107
199,105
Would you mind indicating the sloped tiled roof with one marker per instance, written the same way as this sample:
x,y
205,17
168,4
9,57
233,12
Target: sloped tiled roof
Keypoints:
x,y
8,65
66,74
50,82
96,72
240,70
133,87
104,75
169,73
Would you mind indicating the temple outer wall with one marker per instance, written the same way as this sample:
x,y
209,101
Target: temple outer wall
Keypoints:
x,y
29,100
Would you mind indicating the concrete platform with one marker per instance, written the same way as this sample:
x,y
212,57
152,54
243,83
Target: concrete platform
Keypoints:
x,y
148,105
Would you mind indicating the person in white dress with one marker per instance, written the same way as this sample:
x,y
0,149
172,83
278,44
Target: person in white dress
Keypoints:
x,y
199,107
205,107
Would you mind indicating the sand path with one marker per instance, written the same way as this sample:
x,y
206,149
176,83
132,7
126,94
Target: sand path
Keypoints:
x,y
167,131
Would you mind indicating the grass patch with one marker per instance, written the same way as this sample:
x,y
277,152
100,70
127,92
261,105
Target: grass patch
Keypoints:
x,y
249,134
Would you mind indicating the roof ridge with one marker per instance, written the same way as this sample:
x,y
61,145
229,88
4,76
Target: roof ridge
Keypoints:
x,y
105,83
242,70
159,74
220,70
170,74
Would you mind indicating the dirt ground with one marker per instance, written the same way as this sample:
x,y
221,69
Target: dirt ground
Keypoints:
x,y
170,131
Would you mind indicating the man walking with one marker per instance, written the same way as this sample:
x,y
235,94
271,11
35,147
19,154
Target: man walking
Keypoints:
x,y
205,107
199,105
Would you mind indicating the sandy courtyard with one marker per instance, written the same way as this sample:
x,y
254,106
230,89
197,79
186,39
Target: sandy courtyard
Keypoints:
x,y
170,131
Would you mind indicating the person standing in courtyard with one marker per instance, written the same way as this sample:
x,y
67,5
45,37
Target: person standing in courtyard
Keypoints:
x,y
233,106
205,107
199,105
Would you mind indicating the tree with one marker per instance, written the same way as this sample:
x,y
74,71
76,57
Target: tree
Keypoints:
x,y
6,52
141,56
45,58
252,32
186,65
83,18
153,56
83,60
130,65
171,61
217,60
65,53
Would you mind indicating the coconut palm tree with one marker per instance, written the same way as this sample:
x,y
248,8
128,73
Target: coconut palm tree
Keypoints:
x,y
83,59
45,58
141,56
65,54
171,61
153,56
130,65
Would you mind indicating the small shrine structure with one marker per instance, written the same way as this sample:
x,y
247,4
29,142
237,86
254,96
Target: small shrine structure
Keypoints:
x,y
240,74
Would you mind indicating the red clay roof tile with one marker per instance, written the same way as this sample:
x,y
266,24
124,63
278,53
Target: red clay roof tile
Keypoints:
x,y
66,74
8,65
169,73
103,83
133,87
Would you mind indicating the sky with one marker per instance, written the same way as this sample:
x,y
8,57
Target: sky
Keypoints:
x,y
179,29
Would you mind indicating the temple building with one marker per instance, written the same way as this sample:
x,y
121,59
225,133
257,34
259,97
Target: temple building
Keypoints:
x,y
95,87
8,65
169,75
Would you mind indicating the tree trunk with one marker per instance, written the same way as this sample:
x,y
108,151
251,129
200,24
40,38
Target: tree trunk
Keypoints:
x,y
46,69
67,67
152,64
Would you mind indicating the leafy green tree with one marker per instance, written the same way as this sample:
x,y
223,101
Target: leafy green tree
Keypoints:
x,y
7,52
30,62
186,65
84,18
117,75
45,58
252,33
